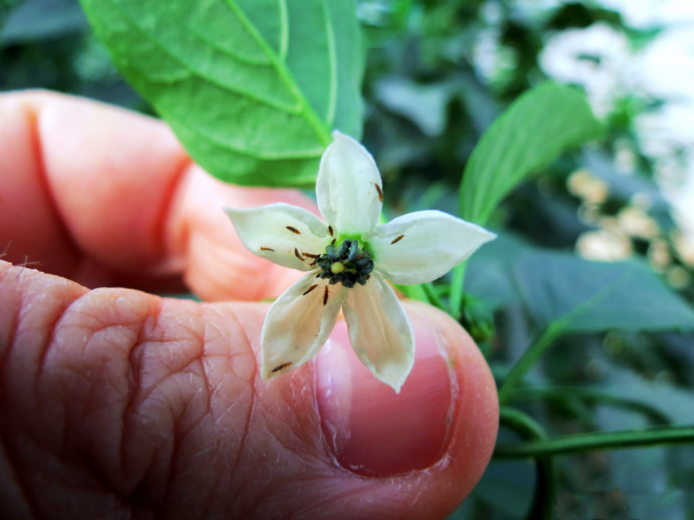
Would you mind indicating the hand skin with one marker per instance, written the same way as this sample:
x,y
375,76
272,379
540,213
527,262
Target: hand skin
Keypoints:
x,y
116,403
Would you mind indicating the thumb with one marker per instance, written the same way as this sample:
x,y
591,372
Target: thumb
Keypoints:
x,y
116,403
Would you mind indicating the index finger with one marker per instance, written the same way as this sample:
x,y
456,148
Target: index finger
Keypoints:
x,y
101,195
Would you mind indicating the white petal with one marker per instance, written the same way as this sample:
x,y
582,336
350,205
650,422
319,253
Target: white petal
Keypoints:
x,y
298,324
380,331
347,187
271,232
422,246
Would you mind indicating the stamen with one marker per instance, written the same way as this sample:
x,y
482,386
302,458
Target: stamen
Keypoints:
x,y
330,230
310,289
325,296
310,255
333,242
380,192
346,264
293,230
266,249
397,239
283,365
296,253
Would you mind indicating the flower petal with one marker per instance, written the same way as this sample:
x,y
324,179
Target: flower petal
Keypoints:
x,y
422,246
281,233
380,331
299,323
348,187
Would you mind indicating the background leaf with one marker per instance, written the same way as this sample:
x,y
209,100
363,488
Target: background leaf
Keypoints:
x,y
40,19
251,87
586,296
536,128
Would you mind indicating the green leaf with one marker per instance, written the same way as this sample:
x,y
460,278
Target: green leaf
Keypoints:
x,y
571,294
565,294
252,88
535,129
529,135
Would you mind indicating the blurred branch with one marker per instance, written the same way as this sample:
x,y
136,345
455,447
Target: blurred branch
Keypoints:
x,y
597,441
528,359
546,484
591,395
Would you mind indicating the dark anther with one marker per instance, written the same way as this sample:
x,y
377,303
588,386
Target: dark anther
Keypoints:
x,y
398,239
296,253
346,264
283,365
310,289
293,230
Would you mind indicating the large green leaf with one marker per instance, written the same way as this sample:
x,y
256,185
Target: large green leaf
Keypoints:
x,y
529,135
535,129
575,295
251,87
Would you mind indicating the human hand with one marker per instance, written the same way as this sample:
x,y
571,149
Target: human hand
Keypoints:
x,y
116,403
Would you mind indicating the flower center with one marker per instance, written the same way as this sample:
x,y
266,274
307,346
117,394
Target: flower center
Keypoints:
x,y
346,263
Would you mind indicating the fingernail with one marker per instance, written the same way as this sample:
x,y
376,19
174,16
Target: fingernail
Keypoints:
x,y
371,429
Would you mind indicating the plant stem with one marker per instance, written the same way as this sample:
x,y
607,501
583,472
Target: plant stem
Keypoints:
x,y
433,296
456,299
597,441
592,395
528,359
546,485
414,292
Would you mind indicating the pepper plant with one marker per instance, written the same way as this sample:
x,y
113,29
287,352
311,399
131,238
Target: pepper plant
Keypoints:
x,y
254,89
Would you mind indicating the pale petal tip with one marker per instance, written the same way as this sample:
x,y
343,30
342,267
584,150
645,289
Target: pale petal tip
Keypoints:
x,y
341,139
269,373
337,134
397,384
395,381
232,212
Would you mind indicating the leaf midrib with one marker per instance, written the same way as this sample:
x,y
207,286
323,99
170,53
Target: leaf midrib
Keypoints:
x,y
305,109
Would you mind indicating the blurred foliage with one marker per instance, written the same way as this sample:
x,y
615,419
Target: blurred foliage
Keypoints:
x,y
438,74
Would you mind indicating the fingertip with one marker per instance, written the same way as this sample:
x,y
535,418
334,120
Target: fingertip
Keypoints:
x,y
446,411
475,419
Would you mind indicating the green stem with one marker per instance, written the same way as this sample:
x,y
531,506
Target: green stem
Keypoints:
x,y
597,441
546,485
433,296
528,359
456,299
414,292
592,395
521,423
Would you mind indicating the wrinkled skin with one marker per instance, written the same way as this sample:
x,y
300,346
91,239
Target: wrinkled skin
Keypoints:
x,y
115,403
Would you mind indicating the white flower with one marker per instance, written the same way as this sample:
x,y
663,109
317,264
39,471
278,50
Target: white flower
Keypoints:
x,y
348,260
